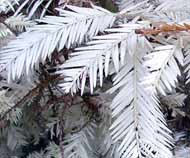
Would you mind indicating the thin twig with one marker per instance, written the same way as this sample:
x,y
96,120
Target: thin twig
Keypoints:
x,y
164,28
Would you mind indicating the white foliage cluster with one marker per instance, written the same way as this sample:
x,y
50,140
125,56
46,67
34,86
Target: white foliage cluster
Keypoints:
x,y
123,4
187,61
133,104
145,67
93,60
129,104
174,6
6,5
19,22
35,7
16,23
78,24
163,68
172,11
32,7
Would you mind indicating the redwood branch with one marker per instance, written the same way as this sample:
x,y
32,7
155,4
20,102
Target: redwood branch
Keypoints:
x,y
165,28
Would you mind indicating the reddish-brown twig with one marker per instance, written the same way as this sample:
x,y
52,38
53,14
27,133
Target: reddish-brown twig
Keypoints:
x,y
165,28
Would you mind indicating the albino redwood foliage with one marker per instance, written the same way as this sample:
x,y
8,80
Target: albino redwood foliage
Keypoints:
x,y
55,69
